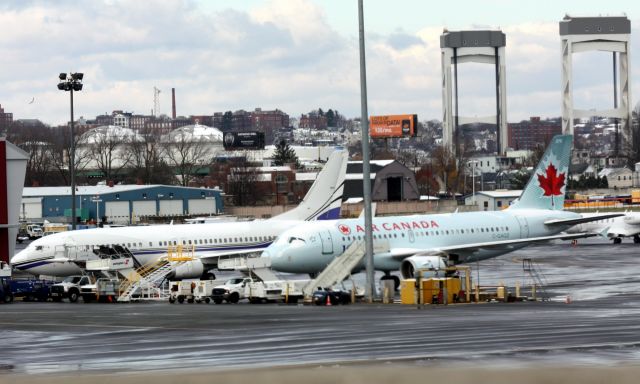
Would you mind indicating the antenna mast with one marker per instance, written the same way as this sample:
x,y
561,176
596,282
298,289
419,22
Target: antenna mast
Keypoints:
x,y
156,102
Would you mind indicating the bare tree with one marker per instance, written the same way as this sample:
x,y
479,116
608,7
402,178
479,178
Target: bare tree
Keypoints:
x,y
449,169
147,165
60,149
106,149
33,139
243,183
186,153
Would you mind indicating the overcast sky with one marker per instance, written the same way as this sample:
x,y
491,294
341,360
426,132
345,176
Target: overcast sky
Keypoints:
x,y
295,55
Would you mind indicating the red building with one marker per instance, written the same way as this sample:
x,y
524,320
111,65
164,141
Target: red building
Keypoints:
x,y
6,118
533,133
313,120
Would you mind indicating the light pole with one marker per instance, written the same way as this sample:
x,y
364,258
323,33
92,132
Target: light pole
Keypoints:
x,y
70,83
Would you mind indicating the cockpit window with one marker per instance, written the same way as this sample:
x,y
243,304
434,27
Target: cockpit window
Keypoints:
x,y
293,238
38,247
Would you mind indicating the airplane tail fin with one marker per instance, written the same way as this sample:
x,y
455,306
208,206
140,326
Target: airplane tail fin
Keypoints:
x,y
546,187
324,198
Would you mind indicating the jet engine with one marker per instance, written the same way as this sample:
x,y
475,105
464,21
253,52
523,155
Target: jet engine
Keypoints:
x,y
632,220
189,270
411,264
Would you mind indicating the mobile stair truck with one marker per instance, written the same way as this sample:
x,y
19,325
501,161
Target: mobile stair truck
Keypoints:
x,y
6,296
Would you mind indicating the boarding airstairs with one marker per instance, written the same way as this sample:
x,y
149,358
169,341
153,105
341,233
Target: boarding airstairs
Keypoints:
x,y
257,267
338,269
145,282
538,278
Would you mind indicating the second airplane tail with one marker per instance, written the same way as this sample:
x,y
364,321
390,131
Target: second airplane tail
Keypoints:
x,y
324,198
546,187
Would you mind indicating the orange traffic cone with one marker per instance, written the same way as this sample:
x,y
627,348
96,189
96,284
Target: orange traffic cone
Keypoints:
x,y
329,301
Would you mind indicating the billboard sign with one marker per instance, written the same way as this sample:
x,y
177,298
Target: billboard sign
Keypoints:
x,y
393,126
243,140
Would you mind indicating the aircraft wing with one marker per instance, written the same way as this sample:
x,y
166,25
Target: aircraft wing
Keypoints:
x,y
582,219
407,252
213,256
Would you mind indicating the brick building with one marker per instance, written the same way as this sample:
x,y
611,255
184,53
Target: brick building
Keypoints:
x,y
532,133
267,122
313,120
6,118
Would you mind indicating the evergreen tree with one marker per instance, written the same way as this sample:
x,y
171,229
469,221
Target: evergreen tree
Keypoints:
x,y
331,118
285,155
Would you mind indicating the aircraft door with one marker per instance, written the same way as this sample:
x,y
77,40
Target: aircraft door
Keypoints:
x,y
524,226
327,242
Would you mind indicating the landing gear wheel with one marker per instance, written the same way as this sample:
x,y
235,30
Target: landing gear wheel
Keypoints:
x,y
209,276
636,239
396,282
73,296
617,240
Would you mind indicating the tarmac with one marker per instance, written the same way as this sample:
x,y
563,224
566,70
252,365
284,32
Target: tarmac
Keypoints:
x,y
597,335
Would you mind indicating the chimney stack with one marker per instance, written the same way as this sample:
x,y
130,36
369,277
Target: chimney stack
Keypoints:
x,y
173,103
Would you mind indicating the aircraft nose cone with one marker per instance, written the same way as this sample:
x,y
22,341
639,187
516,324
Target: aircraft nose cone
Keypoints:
x,y
19,257
276,256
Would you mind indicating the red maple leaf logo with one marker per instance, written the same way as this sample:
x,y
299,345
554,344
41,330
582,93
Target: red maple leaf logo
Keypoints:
x,y
552,183
344,229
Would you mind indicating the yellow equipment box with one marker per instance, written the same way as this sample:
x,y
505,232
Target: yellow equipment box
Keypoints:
x,y
431,290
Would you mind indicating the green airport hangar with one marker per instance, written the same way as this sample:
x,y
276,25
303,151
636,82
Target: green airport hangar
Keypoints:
x,y
119,204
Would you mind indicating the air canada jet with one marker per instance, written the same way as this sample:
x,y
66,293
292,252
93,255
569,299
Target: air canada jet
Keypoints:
x,y
407,243
65,253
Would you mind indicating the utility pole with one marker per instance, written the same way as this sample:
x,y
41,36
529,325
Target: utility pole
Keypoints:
x,y
366,179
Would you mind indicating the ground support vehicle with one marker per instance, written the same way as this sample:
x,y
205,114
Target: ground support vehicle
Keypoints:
x,y
69,288
103,290
331,297
182,291
263,291
22,236
232,291
6,296
31,290
34,231
287,291
203,290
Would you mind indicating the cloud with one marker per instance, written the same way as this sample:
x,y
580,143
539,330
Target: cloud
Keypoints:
x,y
280,54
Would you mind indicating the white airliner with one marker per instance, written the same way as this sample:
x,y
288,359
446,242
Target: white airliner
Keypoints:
x,y
612,228
65,253
427,241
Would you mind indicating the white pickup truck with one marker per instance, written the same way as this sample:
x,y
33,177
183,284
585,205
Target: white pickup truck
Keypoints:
x,y
69,288
240,288
231,291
